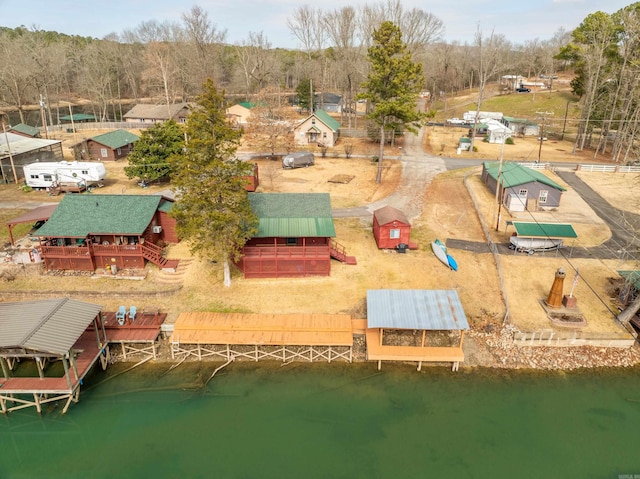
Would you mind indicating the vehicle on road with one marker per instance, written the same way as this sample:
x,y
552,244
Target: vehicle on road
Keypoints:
x,y
523,89
456,121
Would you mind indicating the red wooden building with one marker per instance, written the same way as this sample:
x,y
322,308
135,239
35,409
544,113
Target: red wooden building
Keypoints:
x,y
86,232
391,228
294,237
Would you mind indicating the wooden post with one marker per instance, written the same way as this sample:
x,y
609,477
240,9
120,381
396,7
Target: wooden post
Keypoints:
x,y
424,333
5,368
40,368
381,334
66,372
72,360
13,166
461,337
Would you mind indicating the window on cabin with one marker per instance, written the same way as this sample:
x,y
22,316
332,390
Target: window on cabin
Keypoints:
x,y
119,151
394,233
544,194
292,241
103,152
522,192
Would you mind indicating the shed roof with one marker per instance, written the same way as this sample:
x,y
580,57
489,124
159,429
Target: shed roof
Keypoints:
x,y
77,216
115,139
22,144
293,215
49,325
544,230
514,174
37,214
415,309
633,276
78,117
155,112
388,214
25,129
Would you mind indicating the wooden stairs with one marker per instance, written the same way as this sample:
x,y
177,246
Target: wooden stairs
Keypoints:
x,y
338,252
153,253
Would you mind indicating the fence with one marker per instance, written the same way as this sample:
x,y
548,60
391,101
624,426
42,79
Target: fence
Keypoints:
x,y
548,337
492,247
609,168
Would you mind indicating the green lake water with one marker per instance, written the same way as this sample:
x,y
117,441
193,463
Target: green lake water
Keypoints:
x,y
332,421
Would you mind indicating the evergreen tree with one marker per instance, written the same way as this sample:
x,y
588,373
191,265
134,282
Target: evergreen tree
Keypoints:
x,y
212,208
151,157
392,85
304,95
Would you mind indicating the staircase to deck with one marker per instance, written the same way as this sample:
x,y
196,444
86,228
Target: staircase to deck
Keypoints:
x,y
338,252
153,253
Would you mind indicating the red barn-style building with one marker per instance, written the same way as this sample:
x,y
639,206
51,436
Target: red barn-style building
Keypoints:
x,y
391,228
87,232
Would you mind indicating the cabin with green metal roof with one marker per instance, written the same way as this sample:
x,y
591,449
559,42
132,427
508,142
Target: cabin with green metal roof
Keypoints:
x,y
294,238
111,146
318,128
89,232
521,188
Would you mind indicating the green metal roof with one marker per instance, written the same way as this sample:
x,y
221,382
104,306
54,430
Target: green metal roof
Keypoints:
x,y
247,104
293,215
514,174
78,117
544,230
327,119
512,119
165,206
26,129
77,216
116,139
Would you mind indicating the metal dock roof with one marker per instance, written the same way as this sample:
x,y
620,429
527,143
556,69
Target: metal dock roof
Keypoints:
x,y
415,309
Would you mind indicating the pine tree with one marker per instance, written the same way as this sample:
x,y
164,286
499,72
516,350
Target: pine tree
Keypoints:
x,y
152,154
212,208
392,85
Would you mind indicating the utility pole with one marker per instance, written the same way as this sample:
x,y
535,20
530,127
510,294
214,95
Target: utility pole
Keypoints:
x,y
544,115
13,166
44,118
498,188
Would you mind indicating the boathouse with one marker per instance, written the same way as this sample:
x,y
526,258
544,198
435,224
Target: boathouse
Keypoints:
x,y
415,325
44,332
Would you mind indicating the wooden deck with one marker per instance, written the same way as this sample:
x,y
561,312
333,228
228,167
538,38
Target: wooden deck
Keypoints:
x,y
419,354
137,336
258,336
16,390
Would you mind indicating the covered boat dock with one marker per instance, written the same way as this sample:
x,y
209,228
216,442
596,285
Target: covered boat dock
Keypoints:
x,y
48,331
407,316
283,337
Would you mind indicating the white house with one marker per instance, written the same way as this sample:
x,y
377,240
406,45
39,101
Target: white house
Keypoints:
x,y
497,132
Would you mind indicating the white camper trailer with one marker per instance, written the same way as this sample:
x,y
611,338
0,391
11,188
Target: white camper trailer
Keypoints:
x,y
47,174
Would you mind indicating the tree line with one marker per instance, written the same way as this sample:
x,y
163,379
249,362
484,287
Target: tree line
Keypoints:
x,y
169,61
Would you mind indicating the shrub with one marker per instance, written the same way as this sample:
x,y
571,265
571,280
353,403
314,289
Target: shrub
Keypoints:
x,y
509,141
475,149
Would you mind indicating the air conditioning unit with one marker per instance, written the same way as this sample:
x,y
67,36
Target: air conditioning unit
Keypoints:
x,y
157,229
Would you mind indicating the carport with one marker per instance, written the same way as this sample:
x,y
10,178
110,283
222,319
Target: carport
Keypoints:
x,y
41,213
537,230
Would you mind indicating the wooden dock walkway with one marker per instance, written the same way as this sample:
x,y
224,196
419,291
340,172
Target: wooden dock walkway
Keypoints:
x,y
283,337
419,354
18,390
137,336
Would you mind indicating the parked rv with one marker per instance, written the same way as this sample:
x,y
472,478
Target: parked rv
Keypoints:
x,y
47,174
301,159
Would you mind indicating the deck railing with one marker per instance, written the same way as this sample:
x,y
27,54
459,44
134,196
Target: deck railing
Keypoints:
x,y
286,251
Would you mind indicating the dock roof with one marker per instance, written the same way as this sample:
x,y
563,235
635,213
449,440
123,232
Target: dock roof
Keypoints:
x,y
422,309
49,325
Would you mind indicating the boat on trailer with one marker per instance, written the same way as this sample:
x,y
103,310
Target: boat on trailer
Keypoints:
x,y
532,245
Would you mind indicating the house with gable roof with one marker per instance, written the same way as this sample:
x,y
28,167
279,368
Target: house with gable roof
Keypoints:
x,y
86,232
294,238
521,188
240,112
111,146
319,128
25,130
142,113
